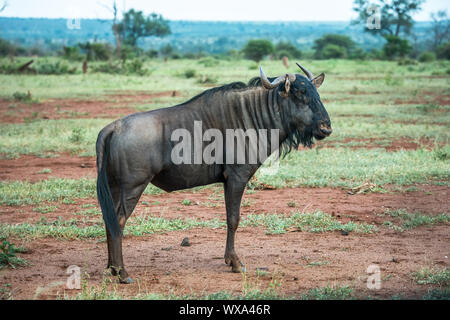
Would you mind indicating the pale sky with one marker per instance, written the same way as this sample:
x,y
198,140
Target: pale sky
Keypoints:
x,y
211,10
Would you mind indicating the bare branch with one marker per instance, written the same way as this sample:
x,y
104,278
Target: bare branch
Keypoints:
x,y
3,7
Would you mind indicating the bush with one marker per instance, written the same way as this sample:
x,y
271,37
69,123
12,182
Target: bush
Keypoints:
x,y
72,53
357,54
78,135
6,48
443,51
332,51
54,68
257,49
22,97
204,79
209,62
152,54
427,56
396,47
407,62
190,73
333,46
107,68
8,256
8,68
287,49
136,66
96,51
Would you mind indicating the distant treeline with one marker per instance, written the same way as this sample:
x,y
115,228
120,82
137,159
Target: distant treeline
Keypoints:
x,y
187,36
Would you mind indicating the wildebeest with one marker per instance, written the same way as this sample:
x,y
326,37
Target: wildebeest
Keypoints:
x,y
136,150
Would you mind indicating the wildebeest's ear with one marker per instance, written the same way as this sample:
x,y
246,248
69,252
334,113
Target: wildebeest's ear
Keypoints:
x,y
318,80
286,87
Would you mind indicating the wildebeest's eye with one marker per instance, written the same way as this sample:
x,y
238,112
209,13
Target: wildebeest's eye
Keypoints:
x,y
301,91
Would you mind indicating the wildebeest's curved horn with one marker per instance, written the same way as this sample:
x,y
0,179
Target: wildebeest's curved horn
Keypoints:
x,y
308,74
275,83
266,83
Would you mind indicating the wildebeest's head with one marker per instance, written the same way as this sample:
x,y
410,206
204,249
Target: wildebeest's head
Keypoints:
x,y
303,114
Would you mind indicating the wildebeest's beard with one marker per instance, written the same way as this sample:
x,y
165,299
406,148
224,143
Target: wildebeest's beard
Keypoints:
x,y
295,136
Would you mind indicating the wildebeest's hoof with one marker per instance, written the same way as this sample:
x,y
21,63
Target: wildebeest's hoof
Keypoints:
x,y
127,280
238,268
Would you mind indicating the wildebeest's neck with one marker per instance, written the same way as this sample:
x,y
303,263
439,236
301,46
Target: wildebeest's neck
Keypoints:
x,y
252,108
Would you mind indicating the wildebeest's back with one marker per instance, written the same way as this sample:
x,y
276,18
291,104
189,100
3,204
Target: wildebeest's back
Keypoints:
x,y
142,148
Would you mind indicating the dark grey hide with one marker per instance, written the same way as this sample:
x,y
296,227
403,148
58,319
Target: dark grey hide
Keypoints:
x,y
136,150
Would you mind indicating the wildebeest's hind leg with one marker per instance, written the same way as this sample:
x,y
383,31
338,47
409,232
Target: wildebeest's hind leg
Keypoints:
x,y
234,188
128,197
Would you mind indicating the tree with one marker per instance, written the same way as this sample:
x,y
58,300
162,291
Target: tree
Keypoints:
x,y
332,51
333,46
287,49
396,47
134,26
113,9
258,49
395,15
96,51
440,28
443,51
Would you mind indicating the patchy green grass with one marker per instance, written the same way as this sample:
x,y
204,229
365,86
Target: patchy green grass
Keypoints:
x,y
84,229
317,221
413,220
45,209
440,277
437,294
329,293
16,193
343,167
42,137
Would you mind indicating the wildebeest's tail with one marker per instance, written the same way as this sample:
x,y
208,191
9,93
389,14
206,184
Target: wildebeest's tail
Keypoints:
x,y
103,190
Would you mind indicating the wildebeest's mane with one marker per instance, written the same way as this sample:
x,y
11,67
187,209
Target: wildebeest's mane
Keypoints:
x,y
222,89
294,138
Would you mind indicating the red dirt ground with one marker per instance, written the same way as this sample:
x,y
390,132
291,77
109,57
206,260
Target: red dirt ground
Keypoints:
x,y
161,265
113,106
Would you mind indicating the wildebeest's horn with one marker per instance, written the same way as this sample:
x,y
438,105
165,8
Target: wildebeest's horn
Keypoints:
x,y
266,83
275,83
308,74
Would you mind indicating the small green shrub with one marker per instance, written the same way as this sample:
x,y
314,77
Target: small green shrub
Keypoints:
x,y
189,73
78,135
22,97
427,56
8,256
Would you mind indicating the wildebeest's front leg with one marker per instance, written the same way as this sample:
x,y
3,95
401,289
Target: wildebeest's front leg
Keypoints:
x,y
234,188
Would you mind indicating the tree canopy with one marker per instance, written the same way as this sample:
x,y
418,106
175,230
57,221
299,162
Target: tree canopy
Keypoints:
x,y
333,46
258,49
395,15
135,25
